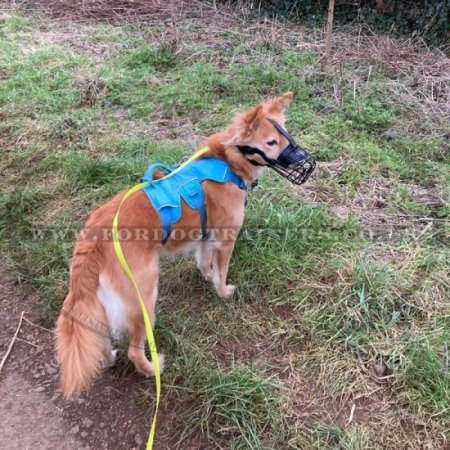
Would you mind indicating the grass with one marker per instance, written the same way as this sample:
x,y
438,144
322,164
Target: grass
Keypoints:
x,y
344,275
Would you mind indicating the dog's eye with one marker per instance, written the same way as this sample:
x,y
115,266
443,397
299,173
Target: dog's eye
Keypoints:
x,y
272,142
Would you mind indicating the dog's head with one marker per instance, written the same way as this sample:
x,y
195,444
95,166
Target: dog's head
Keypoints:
x,y
253,129
262,141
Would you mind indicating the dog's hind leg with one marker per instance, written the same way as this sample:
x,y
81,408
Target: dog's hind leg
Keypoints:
x,y
114,307
136,351
109,356
148,284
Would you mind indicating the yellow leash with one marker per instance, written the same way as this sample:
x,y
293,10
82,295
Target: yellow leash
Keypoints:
x,y
126,268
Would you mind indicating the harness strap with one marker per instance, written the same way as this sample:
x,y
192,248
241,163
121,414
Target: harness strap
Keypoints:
x,y
151,169
193,195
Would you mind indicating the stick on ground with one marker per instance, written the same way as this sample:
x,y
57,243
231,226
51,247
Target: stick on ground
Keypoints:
x,y
10,346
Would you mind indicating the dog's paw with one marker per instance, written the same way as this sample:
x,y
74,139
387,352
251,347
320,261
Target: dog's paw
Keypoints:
x,y
206,272
207,276
108,362
162,363
227,291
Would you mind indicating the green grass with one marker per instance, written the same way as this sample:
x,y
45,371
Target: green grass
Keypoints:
x,y
283,243
328,285
238,405
426,375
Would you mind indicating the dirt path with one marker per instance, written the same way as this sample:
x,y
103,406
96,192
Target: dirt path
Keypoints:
x,y
29,419
32,413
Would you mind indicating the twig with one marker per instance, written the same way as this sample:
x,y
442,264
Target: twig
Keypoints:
x,y
38,326
28,342
352,411
10,346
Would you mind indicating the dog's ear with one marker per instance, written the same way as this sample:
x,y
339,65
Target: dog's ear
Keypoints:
x,y
244,126
250,121
279,104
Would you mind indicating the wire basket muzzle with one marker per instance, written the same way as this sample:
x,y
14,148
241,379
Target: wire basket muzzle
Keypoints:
x,y
295,164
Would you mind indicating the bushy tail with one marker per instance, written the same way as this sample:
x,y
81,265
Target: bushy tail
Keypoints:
x,y
82,334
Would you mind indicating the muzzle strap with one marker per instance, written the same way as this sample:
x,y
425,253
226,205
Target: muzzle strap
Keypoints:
x,y
293,163
247,150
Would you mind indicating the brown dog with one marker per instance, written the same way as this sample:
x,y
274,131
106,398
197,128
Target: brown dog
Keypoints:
x,y
101,301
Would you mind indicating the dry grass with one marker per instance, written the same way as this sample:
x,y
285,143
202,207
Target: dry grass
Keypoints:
x,y
117,11
373,201
424,72
421,75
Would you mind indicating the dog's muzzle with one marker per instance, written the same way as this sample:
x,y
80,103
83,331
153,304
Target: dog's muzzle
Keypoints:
x,y
293,163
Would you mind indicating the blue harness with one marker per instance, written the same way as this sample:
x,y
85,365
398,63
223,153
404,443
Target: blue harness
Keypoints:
x,y
166,194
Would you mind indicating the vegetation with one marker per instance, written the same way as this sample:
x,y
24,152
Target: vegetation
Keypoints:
x,y
427,19
337,336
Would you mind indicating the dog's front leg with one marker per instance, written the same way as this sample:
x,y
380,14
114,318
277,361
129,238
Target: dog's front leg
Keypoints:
x,y
204,256
221,261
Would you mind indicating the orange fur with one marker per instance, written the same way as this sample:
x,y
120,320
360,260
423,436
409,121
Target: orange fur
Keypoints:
x,y
82,328
101,298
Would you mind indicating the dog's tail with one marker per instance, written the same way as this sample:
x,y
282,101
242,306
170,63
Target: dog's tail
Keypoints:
x,y
81,330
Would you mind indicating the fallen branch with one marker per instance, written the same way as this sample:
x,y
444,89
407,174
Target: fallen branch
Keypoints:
x,y
28,342
10,346
38,326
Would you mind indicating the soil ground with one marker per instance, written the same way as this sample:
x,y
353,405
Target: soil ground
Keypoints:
x,y
32,412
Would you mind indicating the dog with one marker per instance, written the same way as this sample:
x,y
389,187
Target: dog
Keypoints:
x,y
101,301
